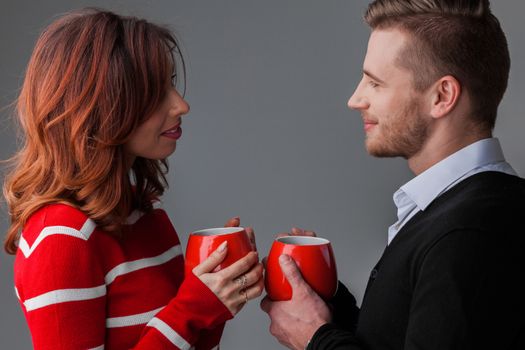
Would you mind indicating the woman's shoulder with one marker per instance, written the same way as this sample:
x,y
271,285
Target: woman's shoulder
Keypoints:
x,y
57,214
58,218
58,251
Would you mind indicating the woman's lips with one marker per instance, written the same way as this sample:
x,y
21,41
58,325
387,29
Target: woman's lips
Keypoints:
x,y
173,133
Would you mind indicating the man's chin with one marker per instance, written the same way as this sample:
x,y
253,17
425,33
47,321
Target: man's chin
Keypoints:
x,y
382,152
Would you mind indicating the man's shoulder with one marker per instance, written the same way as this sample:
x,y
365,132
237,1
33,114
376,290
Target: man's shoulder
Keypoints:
x,y
488,204
487,186
480,199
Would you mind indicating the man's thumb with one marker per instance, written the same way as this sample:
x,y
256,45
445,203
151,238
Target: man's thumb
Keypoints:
x,y
291,271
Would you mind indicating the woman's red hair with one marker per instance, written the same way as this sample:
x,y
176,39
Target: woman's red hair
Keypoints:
x,y
92,79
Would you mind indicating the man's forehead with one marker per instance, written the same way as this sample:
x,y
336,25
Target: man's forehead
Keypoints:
x,y
384,47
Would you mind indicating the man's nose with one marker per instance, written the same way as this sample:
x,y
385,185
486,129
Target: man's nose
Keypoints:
x,y
357,101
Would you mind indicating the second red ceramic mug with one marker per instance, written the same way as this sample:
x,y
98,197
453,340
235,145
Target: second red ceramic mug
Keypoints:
x,y
315,259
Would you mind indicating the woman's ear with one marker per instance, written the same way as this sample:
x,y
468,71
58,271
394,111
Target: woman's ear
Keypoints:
x,y
444,96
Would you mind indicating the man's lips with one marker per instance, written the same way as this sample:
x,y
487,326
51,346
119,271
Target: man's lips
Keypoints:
x,y
369,124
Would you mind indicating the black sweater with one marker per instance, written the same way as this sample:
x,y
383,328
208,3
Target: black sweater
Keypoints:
x,y
452,278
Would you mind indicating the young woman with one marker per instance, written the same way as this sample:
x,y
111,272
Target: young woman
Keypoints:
x,y
98,264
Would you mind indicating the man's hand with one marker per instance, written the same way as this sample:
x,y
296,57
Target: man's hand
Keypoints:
x,y
296,231
235,222
293,322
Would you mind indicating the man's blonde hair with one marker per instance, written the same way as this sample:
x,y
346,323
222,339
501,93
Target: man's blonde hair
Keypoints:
x,y
461,38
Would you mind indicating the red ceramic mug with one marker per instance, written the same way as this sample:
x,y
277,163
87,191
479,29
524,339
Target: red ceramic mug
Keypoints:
x,y
204,242
315,259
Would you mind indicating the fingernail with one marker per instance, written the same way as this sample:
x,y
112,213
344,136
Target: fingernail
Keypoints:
x,y
223,246
284,258
236,218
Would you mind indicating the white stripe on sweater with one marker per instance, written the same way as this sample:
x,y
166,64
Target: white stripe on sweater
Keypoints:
x,y
135,265
101,347
134,217
64,295
84,233
137,214
169,333
131,320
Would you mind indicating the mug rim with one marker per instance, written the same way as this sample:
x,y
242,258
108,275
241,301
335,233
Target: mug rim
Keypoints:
x,y
302,240
217,231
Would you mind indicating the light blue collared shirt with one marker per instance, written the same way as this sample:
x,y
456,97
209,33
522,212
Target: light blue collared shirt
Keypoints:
x,y
418,193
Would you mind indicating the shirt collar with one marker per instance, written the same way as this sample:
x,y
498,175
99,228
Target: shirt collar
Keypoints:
x,y
425,187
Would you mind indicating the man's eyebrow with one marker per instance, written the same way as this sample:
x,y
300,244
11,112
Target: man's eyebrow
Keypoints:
x,y
373,76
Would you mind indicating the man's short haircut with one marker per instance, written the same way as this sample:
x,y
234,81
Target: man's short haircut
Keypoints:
x,y
461,38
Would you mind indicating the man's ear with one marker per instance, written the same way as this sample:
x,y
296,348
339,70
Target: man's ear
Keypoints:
x,y
444,96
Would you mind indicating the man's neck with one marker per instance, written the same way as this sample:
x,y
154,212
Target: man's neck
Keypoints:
x,y
438,148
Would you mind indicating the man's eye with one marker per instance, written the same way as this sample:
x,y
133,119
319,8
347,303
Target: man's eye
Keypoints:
x,y
373,84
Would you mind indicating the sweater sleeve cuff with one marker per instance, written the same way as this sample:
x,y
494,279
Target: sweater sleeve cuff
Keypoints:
x,y
327,327
323,333
332,336
194,308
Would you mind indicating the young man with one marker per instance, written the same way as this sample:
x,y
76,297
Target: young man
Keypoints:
x,y
434,74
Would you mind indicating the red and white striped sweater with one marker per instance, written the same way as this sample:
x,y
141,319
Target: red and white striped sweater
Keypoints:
x,y
81,288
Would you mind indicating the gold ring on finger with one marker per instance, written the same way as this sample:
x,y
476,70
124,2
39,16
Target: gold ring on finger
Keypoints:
x,y
245,293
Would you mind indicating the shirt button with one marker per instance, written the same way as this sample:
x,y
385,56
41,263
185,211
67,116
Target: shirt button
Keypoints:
x,y
373,274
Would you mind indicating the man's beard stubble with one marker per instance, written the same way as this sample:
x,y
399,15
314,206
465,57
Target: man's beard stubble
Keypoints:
x,y
402,135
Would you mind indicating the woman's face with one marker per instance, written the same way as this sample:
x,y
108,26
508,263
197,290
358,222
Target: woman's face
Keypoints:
x,y
157,137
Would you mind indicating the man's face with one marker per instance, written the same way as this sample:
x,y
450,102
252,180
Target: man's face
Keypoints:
x,y
390,107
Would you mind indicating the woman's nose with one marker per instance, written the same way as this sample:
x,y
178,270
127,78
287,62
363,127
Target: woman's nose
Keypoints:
x,y
185,107
179,104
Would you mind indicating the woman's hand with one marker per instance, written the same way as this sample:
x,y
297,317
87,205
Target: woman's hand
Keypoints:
x,y
239,282
235,284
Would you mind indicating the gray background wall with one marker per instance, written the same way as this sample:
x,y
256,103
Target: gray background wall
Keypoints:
x,y
269,136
